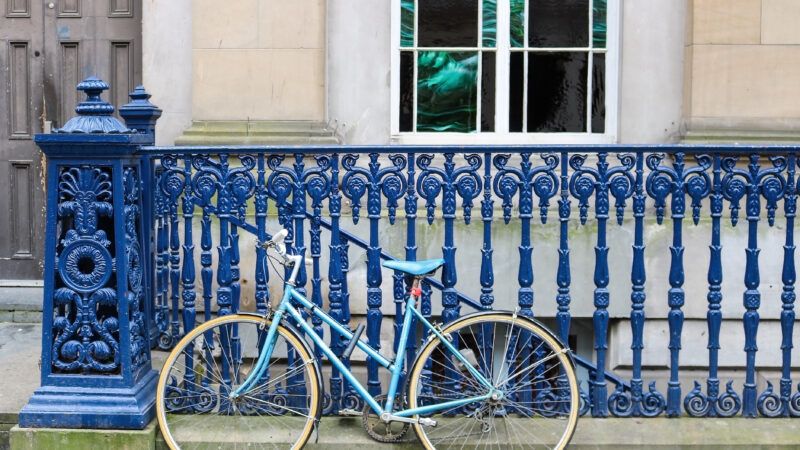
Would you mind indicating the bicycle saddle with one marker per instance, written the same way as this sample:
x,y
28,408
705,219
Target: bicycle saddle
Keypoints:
x,y
416,268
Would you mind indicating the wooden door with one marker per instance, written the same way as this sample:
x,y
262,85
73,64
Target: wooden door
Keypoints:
x,y
47,48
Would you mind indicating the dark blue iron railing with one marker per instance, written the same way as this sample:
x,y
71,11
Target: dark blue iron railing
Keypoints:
x,y
235,185
130,226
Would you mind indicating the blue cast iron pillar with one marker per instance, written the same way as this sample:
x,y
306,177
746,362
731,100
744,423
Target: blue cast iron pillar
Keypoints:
x,y
141,115
95,370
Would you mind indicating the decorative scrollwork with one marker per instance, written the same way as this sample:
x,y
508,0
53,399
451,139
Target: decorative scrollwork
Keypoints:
x,y
135,295
581,185
770,183
373,181
449,181
729,403
527,180
622,402
86,339
769,402
698,404
794,403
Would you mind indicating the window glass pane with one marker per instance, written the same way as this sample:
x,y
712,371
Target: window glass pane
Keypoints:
x,y
448,23
599,24
517,23
487,91
447,91
406,91
599,93
558,23
489,23
557,92
407,23
516,90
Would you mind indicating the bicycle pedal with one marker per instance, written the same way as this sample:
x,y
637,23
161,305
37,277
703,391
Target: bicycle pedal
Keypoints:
x,y
349,412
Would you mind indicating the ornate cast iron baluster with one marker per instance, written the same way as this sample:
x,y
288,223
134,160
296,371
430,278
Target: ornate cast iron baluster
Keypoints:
x,y
298,180
528,181
204,186
449,182
788,296
335,279
636,402
411,247
172,185
175,187
188,271
677,182
585,182
771,404
261,274
712,404
752,183
262,269
162,268
374,181
563,277
350,398
318,188
485,336
487,213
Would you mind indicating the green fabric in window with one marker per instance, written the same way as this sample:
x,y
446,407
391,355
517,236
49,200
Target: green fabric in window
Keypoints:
x,y
599,24
407,23
517,23
489,23
447,91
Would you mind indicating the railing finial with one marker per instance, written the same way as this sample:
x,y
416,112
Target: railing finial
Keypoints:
x,y
94,113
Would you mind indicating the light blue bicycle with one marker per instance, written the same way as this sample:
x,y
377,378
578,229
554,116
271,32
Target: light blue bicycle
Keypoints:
x,y
493,379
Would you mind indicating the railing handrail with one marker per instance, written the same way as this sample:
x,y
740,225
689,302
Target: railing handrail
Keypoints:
x,y
691,149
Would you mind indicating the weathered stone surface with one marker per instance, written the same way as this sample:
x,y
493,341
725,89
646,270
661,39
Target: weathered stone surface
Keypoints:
x,y
81,439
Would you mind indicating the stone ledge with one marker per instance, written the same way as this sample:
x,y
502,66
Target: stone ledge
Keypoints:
x,y
346,434
224,132
80,439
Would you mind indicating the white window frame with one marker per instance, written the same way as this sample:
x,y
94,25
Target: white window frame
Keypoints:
x,y
501,135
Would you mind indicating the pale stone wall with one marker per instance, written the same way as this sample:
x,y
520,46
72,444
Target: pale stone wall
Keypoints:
x,y
651,70
744,70
258,60
167,64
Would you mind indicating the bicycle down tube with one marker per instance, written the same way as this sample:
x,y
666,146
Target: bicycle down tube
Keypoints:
x,y
286,307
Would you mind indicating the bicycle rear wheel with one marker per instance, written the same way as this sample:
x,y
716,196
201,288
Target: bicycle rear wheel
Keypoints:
x,y
195,410
539,404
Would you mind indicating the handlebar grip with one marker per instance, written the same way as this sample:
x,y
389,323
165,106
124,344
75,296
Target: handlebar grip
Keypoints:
x,y
280,236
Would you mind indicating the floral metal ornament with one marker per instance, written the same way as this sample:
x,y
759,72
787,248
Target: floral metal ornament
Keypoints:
x,y
85,332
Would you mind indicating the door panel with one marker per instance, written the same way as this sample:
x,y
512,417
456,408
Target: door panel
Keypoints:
x,y
48,47
21,198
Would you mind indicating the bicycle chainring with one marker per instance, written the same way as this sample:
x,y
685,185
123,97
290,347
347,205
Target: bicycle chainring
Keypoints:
x,y
380,430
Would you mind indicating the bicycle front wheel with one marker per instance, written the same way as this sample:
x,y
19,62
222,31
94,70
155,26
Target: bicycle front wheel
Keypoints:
x,y
194,406
536,399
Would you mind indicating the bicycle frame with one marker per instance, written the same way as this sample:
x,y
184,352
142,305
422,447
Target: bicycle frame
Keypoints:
x,y
286,308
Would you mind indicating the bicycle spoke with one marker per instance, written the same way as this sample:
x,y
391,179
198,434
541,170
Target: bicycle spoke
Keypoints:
x,y
277,412
522,363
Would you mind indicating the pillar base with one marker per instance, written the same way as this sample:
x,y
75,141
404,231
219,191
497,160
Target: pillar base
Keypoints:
x,y
92,407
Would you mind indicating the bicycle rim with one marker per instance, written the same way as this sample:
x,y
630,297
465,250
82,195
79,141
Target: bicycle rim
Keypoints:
x,y
195,410
540,403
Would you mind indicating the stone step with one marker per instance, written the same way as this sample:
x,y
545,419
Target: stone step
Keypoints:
x,y
22,304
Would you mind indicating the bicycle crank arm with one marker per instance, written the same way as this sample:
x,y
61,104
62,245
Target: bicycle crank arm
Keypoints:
x,y
424,421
